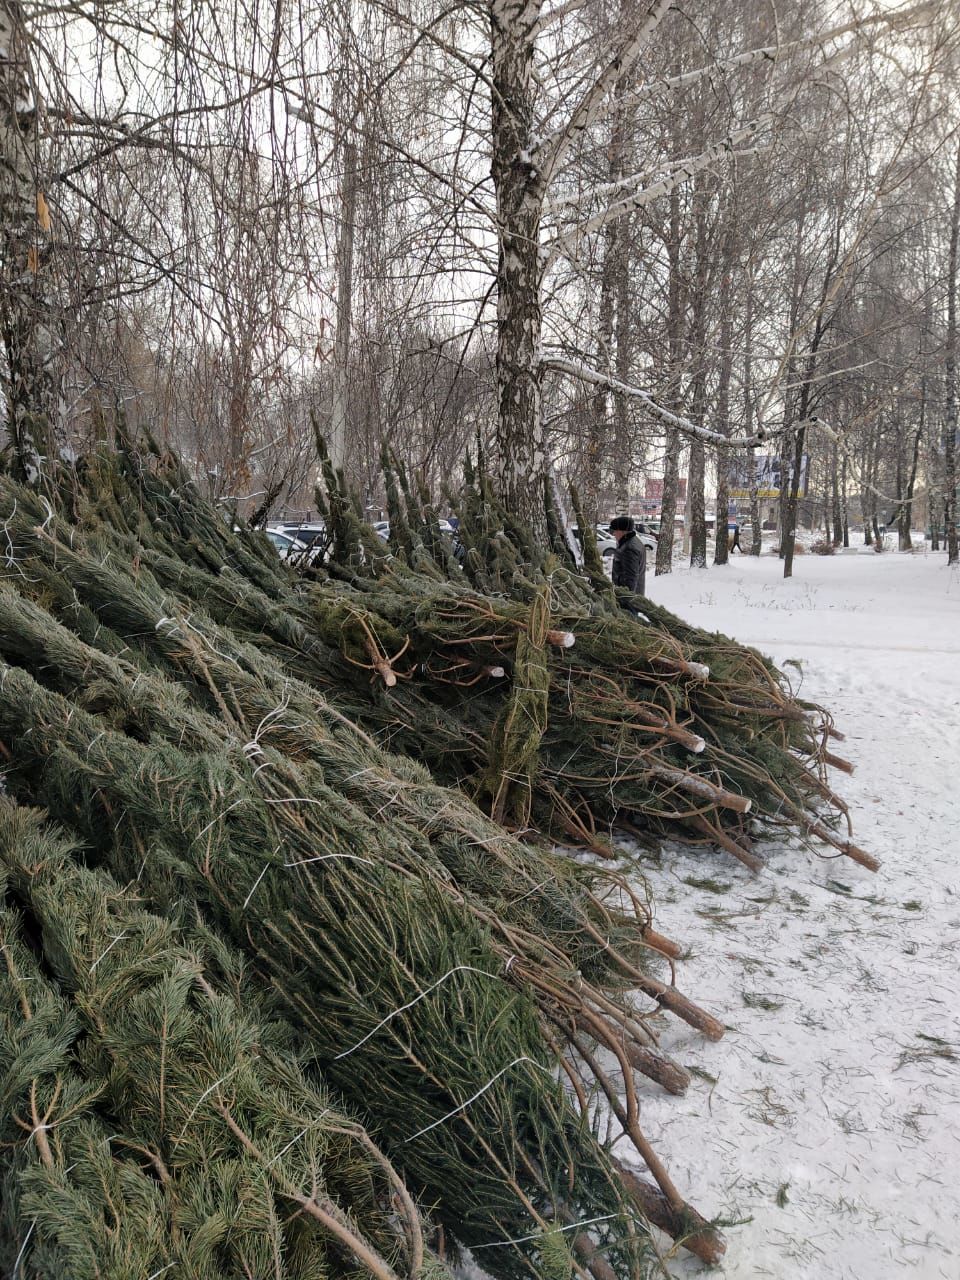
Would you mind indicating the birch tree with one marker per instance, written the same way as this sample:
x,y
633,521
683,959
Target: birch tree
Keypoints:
x,y
30,317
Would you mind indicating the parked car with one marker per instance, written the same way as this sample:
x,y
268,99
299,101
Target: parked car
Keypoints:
x,y
382,527
607,543
312,533
288,547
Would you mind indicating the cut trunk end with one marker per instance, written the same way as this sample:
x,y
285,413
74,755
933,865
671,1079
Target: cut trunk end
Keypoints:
x,y
689,1228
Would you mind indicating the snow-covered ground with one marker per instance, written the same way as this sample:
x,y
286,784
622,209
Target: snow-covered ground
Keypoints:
x,y
828,1118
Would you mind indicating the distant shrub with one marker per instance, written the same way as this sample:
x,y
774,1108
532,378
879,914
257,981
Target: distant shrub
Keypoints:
x,y
823,548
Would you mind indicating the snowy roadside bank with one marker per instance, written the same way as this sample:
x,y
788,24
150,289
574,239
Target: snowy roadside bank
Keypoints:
x,y
829,1116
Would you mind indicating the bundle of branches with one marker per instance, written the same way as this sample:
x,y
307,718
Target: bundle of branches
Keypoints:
x,y
607,719
647,724
454,985
154,1121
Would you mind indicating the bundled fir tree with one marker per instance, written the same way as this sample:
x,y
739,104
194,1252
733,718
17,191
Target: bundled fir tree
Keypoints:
x,y
214,730
159,1120
191,762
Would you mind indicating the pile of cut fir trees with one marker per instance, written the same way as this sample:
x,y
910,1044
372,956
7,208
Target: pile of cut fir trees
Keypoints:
x,y
514,672
279,1000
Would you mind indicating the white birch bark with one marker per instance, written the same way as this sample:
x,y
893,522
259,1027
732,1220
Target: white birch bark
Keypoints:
x,y
29,320
521,441
950,381
341,345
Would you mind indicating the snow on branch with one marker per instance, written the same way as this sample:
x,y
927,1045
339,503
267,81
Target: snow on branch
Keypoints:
x,y
609,190
552,150
583,372
559,11
893,20
680,171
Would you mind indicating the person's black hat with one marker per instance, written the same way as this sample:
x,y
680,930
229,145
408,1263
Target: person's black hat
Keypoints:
x,y
621,524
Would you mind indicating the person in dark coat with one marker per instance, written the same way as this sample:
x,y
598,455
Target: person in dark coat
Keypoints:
x,y
630,557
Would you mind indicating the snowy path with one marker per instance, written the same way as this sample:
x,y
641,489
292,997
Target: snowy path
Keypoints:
x,y
829,1116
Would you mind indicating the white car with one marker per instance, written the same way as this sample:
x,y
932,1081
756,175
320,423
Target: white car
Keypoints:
x,y
648,539
288,548
607,543
382,528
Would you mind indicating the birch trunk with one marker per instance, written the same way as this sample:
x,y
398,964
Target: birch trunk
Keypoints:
x,y
696,500
905,519
697,506
671,468
598,430
341,346
623,445
613,278
950,372
835,485
521,440
756,530
793,493
668,505
721,548
844,506
809,369
30,323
